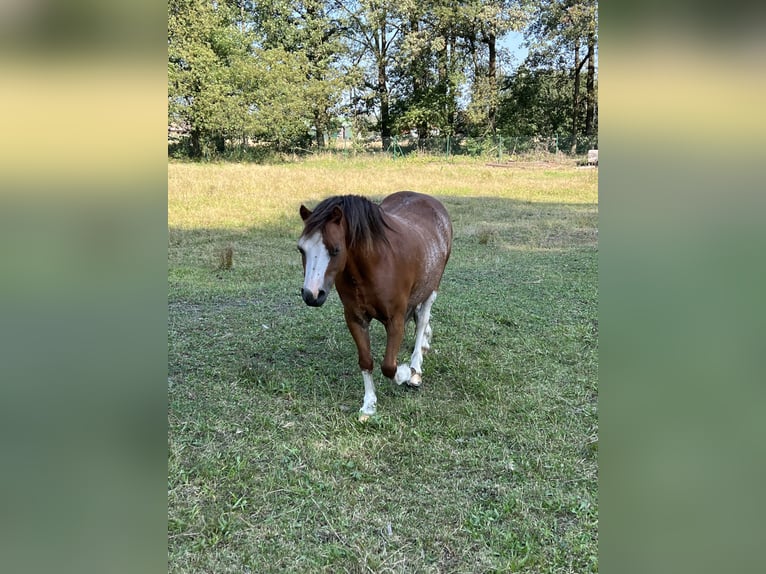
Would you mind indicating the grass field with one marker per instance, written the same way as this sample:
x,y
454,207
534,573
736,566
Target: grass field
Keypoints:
x,y
490,467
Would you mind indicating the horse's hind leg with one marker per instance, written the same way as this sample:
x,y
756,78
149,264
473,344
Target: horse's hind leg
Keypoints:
x,y
427,334
423,334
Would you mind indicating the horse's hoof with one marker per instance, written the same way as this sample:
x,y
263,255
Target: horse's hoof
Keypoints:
x,y
415,380
364,418
403,374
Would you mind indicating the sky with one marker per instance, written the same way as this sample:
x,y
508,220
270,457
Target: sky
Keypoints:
x,y
512,42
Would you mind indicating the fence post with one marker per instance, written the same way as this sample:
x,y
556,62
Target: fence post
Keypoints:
x,y
447,146
499,148
394,146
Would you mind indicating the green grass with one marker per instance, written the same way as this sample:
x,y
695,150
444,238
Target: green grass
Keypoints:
x,y
490,467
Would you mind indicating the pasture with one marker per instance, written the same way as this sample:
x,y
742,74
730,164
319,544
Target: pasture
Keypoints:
x,y
490,466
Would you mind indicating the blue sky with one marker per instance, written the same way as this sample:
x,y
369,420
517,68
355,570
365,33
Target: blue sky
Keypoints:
x,y
512,42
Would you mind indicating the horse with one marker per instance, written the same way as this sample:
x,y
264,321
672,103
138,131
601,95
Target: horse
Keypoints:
x,y
386,261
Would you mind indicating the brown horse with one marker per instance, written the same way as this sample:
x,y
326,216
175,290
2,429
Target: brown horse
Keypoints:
x,y
386,262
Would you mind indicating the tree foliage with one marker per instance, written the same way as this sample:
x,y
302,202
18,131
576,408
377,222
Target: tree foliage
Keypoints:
x,y
563,35
285,73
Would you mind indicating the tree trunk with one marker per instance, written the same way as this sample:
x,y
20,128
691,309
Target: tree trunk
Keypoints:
x,y
385,119
474,56
590,97
492,81
318,124
195,148
220,143
449,56
575,96
419,85
422,135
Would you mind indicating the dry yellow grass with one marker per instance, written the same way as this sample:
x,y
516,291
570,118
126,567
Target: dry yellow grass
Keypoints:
x,y
238,196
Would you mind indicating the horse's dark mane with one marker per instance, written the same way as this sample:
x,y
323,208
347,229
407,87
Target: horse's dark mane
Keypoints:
x,y
365,221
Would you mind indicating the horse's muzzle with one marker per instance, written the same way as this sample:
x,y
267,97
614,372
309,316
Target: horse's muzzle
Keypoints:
x,y
309,299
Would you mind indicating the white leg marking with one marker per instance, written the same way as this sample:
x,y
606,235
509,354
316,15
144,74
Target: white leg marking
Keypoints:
x,y
427,338
368,407
422,338
403,374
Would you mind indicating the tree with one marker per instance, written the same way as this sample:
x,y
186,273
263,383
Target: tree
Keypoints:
x,y
274,71
373,27
429,69
482,24
206,59
311,28
229,83
591,98
559,29
535,102
280,109
420,54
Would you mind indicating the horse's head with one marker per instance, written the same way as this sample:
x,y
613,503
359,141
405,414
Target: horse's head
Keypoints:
x,y
322,246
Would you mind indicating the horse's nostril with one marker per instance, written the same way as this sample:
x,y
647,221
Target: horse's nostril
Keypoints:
x,y
321,296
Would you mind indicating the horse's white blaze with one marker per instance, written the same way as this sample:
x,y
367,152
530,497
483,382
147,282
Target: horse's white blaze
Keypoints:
x,y
368,407
317,260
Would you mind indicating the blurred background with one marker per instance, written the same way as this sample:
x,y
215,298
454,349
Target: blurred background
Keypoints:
x,y
83,286
681,283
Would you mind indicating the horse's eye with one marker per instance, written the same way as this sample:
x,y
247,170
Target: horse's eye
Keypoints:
x,y
300,250
334,251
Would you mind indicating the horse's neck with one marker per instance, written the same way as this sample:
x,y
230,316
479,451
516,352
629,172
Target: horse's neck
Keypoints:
x,y
360,265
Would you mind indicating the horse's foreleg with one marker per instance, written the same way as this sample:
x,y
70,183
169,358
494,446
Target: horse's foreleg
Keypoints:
x,y
394,336
422,339
370,399
360,331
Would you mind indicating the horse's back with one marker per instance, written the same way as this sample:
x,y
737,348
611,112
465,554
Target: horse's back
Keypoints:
x,y
424,227
421,211
404,202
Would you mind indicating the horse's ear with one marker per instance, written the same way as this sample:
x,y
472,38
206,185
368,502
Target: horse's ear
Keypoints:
x,y
336,215
305,213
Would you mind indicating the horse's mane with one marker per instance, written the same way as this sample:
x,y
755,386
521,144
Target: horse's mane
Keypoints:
x,y
365,221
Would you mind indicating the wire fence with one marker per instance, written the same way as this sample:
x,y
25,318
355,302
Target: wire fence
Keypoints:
x,y
498,148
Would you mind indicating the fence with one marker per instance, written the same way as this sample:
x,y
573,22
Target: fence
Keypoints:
x,y
499,148
493,148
